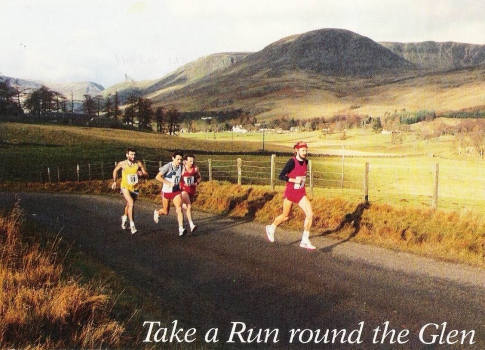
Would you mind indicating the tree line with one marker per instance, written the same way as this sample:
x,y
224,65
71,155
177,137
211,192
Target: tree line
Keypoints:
x,y
46,103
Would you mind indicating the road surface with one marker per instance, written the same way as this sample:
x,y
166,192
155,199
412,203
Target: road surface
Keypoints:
x,y
228,276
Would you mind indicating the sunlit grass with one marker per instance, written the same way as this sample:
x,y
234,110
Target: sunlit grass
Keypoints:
x,y
42,308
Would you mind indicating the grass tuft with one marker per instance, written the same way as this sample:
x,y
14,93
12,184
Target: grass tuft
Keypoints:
x,y
42,308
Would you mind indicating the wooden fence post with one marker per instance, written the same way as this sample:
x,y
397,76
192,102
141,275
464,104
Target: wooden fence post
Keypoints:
x,y
49,174
273,170
310,169
366,183
209,161
434,201
239,171
58,175
89,171
343,159
77,171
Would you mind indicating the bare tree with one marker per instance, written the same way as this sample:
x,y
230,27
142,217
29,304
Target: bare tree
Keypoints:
x,y
98,100
173,118
89,105
145,113
116,109
160,119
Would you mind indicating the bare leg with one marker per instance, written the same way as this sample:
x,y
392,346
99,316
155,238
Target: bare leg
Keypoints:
x,y
307,209
129,203
165,207
305,238
287,205
187,205
177,202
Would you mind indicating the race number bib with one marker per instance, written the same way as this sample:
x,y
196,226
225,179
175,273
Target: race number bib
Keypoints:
x,y
132,179
301,184
169,189
189,180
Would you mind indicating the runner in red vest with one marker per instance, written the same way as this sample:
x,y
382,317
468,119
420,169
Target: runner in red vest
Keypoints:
x,y
294,173
190,179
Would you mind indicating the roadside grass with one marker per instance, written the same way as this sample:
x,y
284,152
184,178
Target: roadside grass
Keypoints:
x,y
54,296
42,308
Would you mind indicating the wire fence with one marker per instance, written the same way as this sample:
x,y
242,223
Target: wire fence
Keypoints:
x,y
445,184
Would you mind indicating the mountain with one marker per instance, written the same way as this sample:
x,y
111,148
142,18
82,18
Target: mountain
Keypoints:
x,y
288,68
333,71
334,52
194,71
77,89
319,73
439,56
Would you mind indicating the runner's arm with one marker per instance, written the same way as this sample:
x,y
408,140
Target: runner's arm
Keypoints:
x,y
198,176
115,173
289,166
161,175
143,170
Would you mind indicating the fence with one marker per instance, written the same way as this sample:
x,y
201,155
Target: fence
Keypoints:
x,y
445,185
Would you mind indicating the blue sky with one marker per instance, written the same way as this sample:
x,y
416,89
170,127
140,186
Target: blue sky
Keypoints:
x,y
101,41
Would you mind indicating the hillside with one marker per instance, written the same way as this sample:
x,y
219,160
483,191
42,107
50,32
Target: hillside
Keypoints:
x,y
77,89
333,71
319,73
192,72
333,52
439,56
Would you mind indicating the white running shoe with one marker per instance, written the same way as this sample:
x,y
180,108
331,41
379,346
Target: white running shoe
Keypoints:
x,y
156,216
182,231
193,228
307,245
270,233
124,219
133,229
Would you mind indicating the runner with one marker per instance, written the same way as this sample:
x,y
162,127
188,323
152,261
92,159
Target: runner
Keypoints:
x,y
294,173
190,179
130,172
170,175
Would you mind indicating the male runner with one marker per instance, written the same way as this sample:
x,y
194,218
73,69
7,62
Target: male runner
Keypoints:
x,y
170,175
190,179
130,173
294,173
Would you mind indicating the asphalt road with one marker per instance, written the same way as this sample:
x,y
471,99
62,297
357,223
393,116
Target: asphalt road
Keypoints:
x,y
228,276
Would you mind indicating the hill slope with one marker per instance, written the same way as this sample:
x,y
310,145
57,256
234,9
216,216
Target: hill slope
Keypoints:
x,y
439,56
335,52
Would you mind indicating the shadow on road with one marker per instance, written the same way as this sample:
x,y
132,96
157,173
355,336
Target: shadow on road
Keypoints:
x,y
351,218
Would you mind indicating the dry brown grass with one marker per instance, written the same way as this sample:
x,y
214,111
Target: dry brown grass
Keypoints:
x,y
448,235
40,308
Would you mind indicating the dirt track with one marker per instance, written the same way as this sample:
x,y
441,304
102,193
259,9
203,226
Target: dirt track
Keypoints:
x,y
228,272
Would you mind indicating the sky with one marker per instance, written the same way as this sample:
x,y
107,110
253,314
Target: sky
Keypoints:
x,y
106,41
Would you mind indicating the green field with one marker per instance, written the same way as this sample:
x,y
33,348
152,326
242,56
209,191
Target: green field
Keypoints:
x,y
399,173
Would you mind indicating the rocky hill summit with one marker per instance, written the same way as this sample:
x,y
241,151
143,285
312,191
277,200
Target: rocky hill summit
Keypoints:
x,y
334,52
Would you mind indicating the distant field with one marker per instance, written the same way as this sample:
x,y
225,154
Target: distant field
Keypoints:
x,y
402,174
